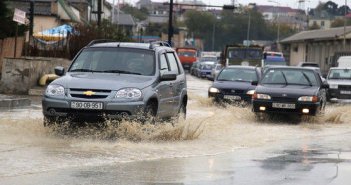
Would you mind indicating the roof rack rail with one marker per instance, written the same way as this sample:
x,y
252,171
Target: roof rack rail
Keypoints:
x,y
100,41
159,43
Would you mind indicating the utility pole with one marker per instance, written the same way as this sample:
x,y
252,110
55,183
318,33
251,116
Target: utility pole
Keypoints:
x,y
170,23
344,40
213,35
31,18
113,12
99,12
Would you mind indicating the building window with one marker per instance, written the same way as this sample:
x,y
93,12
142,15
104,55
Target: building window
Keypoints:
x,y
322,23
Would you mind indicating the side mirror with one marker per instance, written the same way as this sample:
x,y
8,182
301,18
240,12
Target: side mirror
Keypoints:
x,y
255,83
59,71
168,76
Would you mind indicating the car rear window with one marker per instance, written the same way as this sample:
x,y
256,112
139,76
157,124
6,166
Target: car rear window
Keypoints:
x,y
115,60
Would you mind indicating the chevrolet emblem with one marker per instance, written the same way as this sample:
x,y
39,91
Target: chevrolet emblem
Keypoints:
x,y
89,93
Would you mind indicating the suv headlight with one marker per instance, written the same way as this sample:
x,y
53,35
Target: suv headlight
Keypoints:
x,y
55,90
333,86
213,90
128,93
308,99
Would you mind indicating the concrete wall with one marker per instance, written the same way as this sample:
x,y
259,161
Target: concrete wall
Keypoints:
x,y
20,75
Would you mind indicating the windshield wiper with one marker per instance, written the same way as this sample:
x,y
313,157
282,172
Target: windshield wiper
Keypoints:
x,y
121,71
83,70
286,81
308,79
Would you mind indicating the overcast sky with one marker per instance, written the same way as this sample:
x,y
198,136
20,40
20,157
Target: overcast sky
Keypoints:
x,y
290,3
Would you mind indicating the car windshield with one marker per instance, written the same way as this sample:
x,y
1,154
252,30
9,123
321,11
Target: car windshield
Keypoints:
x,y
238,74
290,77
340,74
244,53
115,60
187,53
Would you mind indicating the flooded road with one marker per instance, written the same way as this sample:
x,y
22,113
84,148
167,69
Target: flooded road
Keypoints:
x,y
215,145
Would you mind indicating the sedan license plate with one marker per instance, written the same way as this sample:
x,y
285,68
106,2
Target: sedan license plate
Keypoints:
x,y
345,92
229,97
86,105
283,105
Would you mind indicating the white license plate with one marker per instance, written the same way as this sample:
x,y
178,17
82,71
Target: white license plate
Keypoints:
x,y
229,97
345,92
86,105
283,105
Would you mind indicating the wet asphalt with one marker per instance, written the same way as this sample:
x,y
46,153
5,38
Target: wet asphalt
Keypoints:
x,y
319,156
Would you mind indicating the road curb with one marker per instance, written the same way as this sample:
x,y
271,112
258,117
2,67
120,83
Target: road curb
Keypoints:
x,y
11,102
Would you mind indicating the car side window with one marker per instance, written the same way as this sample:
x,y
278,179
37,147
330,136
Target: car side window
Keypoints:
x,y
173,63
163,64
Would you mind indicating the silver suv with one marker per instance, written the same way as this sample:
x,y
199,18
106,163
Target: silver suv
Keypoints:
x,y
113,80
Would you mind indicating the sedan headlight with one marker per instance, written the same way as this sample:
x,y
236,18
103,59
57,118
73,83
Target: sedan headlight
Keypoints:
x,y
308,99
55,90
250,92
128,93
213,90
262,96
333,86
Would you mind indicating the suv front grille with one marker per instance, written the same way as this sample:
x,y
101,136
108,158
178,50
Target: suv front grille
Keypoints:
x,y
345,87
89,93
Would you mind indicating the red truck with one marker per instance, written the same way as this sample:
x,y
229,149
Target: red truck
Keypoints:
x,y
187,56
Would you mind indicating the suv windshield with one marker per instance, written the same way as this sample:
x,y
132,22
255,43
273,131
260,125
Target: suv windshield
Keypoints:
x,y
290,77
340,74
236,74
115,60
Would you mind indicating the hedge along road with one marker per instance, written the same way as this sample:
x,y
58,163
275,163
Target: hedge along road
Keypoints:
x,y
215,145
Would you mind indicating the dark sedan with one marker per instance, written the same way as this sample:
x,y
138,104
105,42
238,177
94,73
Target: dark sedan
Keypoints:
x,y
290,90
233,84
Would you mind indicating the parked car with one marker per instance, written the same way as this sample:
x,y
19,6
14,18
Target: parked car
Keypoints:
x,y
194,67
233,84
271,58
215,71
339,80
308,64
293,90
113,80
204,69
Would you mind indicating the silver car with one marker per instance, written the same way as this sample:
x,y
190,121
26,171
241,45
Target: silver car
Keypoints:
x,y
339,80
117,80
215,70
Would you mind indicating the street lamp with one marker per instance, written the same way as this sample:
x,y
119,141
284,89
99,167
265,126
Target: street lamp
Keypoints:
x,y
250,6
277,18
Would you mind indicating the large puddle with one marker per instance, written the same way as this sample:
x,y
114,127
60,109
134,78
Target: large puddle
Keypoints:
x,y
28,147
